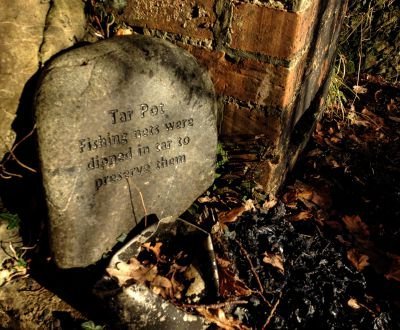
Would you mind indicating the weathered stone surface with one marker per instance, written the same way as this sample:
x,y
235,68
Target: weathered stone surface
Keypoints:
x,y
32,31
65,25
272,32
192,18
126,127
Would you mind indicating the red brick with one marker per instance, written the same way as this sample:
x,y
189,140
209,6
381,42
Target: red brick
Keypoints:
x,y
250,80
272,31
193,18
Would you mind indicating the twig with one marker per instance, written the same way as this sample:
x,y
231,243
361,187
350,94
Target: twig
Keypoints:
x,y
253,270
142,200
11,151
216,306
144,207
8,175
131,200
109,24
273,310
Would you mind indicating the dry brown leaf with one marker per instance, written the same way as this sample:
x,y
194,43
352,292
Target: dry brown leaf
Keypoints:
x,y
375,119
356,226
353,303
305,194
394,271
133,270
332,161
123,31
156,248
162,281
275,260
360,89
207,199
303,215
177,288
358,260
162,286
290,198
392,106
313,196
335,139
220,319
314,153
229,283
234,214
322,198
269,204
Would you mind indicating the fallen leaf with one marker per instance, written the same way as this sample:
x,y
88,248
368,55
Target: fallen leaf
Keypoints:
x,y
207,199
318,196
290,198
303,191
229,284
219,318
356,226
177,288
353,303
269,204
303,215
156,248
332,161
162,286
335,139
162,282
394,271
358,260
123,31
275,260
376,120
133,270
314,153
392,106
360,89
234,214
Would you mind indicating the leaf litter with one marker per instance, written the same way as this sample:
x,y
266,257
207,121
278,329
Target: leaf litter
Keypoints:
x,y
323,254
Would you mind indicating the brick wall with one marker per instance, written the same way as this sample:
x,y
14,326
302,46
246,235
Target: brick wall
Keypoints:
x,y
269,67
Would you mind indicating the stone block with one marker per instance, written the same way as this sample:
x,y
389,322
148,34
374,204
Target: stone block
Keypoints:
x,y
240,120
273,32
265,84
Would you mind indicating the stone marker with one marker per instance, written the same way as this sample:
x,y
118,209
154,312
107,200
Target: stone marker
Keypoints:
x,y
126,127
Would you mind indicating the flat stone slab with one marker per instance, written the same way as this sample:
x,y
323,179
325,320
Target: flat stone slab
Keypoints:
x,y
126,128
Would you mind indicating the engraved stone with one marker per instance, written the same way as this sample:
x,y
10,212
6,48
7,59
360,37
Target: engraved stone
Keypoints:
x,y
126,128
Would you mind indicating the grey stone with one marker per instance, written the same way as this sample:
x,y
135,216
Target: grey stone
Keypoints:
x,y
32,31
65,25
126,128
